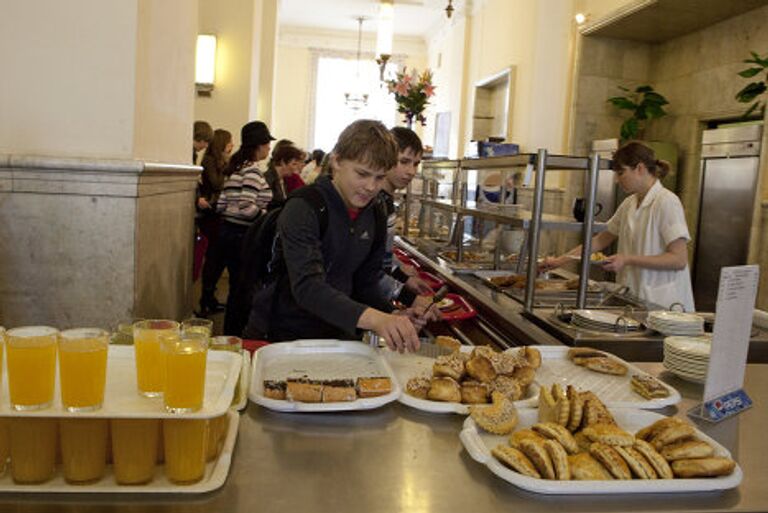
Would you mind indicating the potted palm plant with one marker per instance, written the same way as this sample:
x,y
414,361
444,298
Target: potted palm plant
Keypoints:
x,y
644,104
752,91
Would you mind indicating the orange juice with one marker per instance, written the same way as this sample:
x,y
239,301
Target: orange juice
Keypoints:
x,y
185,449
150,359
33,449
31,352
185,372
5,443
134,449
83,368
217,430
84,449
201,326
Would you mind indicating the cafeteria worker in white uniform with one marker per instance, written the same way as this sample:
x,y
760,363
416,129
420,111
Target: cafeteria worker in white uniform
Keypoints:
x,y
652,255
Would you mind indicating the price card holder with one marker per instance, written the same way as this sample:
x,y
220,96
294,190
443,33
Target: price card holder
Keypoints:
x,y
724,395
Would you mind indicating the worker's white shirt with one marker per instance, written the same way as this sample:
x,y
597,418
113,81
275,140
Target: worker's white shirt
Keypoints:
x,y
647,229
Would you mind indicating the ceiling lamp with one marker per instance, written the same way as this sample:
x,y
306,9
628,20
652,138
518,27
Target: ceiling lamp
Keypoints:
x,y
449,9
385,35
356,99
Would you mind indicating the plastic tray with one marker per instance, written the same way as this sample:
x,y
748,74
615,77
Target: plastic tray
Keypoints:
x,y
240,401
478,444
122,399
593,289
614,391
410,365
459,310
215,475
433,281
319,359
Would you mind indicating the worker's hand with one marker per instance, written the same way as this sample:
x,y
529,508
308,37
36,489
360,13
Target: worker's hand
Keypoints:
x,y
398,331
417,285
616,263
203,204
408,270
550,263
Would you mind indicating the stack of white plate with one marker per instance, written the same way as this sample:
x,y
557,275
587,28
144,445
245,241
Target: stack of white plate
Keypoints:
x,y
601,320
676,323
688,357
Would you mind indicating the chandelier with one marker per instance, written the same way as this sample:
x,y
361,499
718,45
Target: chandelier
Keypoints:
x,y
357,99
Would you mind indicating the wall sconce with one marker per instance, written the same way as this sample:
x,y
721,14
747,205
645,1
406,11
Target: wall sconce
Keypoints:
x,y
384,35
205,64
580,18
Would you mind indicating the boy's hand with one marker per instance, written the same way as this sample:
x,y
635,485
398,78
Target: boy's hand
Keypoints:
x,y
417,285
398,331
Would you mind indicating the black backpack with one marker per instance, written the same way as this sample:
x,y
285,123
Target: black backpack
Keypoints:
x,y
261,271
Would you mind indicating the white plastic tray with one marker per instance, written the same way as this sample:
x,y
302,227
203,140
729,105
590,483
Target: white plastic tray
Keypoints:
x,y
478,444
215,475
121,396
614,391
319,359
241,399
409,365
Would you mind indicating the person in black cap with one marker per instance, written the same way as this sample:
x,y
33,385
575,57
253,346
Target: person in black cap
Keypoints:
x,y
243,198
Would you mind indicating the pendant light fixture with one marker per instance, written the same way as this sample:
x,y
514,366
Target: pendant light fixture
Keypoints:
x,y
384,35
449,9
356,99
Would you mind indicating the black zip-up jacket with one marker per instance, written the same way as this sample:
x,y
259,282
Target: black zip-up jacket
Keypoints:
x,y
329,281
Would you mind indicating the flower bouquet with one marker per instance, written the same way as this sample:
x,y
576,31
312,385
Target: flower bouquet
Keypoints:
x,y
412,93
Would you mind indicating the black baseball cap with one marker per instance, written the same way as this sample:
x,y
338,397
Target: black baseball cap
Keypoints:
x,y
255,133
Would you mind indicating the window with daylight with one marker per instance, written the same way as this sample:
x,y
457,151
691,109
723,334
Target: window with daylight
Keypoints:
x,y
337,76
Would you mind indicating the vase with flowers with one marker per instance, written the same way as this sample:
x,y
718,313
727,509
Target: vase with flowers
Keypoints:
x,y
412,93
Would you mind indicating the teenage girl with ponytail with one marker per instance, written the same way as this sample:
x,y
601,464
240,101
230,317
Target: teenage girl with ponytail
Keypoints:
x,y
652,254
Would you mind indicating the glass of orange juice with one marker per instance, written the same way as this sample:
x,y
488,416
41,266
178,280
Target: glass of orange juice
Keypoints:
x,y
83,449
150,359
196,325
185,441
33,449
31,366
134,449
185,359
5,443
217,430
83,368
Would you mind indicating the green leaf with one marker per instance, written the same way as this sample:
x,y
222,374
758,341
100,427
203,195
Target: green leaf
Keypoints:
x,y
758,60
629,129
655,99
749,73
644,89
622,103
655,111
751,91
623,88
751,109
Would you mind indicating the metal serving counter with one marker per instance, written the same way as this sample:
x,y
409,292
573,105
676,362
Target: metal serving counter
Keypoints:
x,y
399,459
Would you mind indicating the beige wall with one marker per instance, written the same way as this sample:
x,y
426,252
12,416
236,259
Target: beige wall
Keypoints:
x,y
294,70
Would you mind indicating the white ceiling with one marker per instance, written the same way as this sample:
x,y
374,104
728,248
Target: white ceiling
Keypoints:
x,y
412,17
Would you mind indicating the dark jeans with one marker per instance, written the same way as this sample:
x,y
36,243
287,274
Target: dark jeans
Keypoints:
x,y
223,253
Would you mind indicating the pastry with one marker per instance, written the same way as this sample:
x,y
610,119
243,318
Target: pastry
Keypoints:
x,y
524,375
659,464
274,389
481,369
373,387
636,462
595,412
539,457
584,352
486,351
451,365
608,434
576,405
649,432
603,364
611,460
505,363
553,405
444,389
582,441
559,459
671,434
339,390
304,390
516,460
518,436
418,387
448,342
687,450
474,392
510,387
533,356
584,467
499,417
648,387
558,433
703,467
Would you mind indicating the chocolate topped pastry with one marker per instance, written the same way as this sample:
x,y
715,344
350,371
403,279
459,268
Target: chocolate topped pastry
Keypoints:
x,y
274,389
339,390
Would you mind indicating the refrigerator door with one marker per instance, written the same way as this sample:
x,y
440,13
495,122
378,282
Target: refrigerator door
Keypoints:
x,y
725,219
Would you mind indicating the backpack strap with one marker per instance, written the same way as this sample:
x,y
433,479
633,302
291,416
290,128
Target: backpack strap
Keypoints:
x,y
380,216
315,198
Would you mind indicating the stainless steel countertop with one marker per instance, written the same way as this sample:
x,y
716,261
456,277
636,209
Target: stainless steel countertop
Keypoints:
x,y
399,459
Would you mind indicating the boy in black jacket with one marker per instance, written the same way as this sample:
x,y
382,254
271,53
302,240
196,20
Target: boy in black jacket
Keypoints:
x,y
332,284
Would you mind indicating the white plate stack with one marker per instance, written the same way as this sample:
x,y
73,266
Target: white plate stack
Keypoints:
x,y
600,320
688,357
676,323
